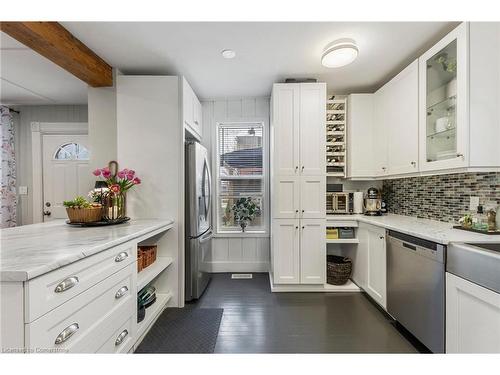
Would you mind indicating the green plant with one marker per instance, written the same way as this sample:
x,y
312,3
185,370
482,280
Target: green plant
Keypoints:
x,y
78,202
244,210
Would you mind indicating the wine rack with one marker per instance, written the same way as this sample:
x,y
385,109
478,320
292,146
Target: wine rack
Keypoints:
x,y
336,120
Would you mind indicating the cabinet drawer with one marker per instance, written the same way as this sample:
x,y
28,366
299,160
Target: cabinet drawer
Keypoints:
x,y
48,291
84,323
122,340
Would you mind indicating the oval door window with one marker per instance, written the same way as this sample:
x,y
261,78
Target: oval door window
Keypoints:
x,y
72,151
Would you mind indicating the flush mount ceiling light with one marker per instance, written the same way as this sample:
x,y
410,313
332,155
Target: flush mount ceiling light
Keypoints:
x,y
228,54
339,53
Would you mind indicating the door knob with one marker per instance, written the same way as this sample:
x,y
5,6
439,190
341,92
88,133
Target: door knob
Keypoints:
x,y
47,204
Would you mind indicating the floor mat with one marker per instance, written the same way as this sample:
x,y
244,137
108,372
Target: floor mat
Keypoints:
x,y
187,330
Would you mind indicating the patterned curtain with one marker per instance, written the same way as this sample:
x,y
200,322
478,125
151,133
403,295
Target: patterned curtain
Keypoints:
x,y
8,170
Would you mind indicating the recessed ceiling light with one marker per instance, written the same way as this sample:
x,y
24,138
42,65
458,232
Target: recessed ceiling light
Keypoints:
x,y
339,53
228,54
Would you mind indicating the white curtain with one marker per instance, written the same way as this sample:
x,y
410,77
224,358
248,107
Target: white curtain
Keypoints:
x,y
8,170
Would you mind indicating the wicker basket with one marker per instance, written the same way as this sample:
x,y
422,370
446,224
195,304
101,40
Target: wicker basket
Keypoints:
x,y
338,269
140,259
148,254
84,215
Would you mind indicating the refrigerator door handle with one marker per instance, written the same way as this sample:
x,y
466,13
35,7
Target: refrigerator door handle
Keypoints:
x,y
207,236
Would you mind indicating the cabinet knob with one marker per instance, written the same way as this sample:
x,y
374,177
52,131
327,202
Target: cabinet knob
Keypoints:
x,y
414,163
302,211
296,227
459,155
121,292
121,257
302,167
296,211
381,237
66,284
384,168
120,337
66,333
303,227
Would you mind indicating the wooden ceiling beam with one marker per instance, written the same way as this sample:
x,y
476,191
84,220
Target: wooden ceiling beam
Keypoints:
x,y
53,41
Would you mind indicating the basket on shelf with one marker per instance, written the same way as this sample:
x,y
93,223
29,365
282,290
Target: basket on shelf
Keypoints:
x,y
338,269
84,215
147,254
139,260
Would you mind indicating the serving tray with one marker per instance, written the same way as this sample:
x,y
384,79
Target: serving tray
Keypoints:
x,y
100,223
497,232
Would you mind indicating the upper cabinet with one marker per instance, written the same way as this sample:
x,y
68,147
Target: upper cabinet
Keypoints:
x,y
443,90
191,111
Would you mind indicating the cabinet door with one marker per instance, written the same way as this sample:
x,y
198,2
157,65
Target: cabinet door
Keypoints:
x,y
376,277
443,114
380,112
197,113
472,317
286,197
360,258
313,197
360,135
402,121
285,129
312,129
313,251
285,251
187,104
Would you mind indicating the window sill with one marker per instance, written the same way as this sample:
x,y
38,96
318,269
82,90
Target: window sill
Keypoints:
x,y
240,234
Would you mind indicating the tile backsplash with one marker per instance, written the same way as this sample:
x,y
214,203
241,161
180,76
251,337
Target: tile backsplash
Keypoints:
x,y
443,197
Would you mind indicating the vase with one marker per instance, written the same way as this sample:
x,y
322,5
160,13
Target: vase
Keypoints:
x,y
243,225
114,206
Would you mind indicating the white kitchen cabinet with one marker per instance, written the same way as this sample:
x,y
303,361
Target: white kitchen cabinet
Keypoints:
x,y
286,197
360,129
472,317
285,129
401,109
313,251
286,251
312,141
312,197
371,262
379,139
191,110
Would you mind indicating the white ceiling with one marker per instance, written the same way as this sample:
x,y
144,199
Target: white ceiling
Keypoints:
x,y
27,78
265,52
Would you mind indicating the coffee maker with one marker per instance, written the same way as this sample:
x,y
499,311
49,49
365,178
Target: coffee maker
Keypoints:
x,y
373,202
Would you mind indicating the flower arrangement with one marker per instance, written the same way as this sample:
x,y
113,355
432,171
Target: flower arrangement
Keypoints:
x,y
121,181
244,210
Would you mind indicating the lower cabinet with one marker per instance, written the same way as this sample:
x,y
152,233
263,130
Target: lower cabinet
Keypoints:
x,y
370,262
299,251
472,317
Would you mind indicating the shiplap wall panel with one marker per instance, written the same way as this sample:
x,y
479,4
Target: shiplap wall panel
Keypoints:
x,y
241,253
27,115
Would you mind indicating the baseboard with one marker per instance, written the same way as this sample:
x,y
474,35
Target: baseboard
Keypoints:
x,y
216,267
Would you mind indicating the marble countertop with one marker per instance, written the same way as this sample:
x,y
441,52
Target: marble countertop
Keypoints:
x,y
432,230
32,250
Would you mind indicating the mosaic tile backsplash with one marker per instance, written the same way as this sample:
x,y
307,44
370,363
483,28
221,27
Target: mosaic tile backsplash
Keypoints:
x,y
443,197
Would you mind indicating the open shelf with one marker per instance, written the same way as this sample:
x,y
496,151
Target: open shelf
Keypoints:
x,y
149,273
152,312
347,287
343,240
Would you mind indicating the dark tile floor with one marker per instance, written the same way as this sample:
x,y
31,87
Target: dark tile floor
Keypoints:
x,y
258,321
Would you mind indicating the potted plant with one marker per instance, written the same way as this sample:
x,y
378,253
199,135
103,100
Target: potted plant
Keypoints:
x,y
244,210
118,182
79,210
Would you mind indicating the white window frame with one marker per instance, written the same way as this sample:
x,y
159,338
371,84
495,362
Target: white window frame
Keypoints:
x,y
264,232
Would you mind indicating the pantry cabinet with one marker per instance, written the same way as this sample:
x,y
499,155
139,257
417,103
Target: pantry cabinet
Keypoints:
x,y
371,262
298,183
472,317
191,110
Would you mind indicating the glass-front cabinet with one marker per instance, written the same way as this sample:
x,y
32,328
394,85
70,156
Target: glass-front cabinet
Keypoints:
x,y
443,103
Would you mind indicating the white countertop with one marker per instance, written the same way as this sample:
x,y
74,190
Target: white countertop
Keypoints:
x,y
432,230
31,250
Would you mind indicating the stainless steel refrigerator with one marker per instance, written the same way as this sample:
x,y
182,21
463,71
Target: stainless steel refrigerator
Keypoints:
x,y
198,219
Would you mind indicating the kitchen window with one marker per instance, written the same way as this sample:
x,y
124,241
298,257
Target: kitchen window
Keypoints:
x,y
240,174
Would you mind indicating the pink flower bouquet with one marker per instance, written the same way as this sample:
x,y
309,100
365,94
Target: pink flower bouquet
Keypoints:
x,y
119,183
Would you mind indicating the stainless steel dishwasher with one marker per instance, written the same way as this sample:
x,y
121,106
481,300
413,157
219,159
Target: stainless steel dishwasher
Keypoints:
x,y
416,287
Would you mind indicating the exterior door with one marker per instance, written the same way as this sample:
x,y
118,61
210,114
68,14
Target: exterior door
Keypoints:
x,y
286,258
313,197
312,129
285,129
286,197
313,251
66,172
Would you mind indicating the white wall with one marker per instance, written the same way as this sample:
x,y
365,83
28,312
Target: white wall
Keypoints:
x,y
235,252
27,115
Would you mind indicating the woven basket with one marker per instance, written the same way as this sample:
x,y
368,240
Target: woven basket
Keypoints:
x,y
140,259
148,255
84,215
338,269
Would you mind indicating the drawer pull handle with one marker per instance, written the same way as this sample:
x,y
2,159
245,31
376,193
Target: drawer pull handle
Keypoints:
x,y
121,292
66,284
120,337
66,333
121,257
